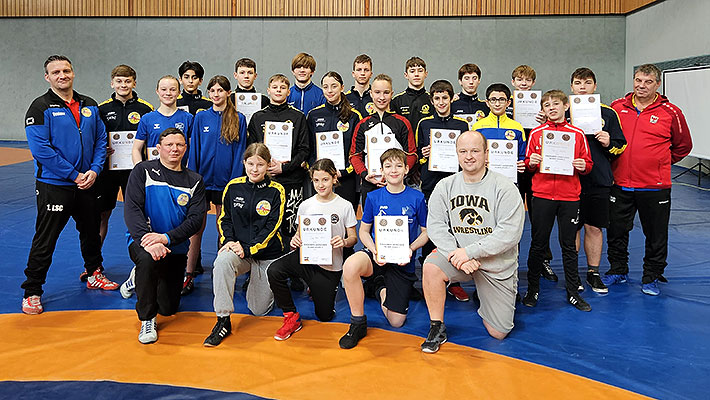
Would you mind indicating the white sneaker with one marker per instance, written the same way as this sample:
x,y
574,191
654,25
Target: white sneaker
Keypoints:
x,y
129,286
149,332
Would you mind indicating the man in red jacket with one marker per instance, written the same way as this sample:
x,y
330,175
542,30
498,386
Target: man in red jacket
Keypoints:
x,y
657,137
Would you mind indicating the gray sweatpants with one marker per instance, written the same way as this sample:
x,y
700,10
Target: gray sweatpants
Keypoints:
x,y
227,266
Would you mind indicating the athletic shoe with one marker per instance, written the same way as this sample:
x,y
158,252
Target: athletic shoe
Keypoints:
x,y
221,330
435,338
457,291
610,279
129,286
99,281
32,305
651,288
578,302
85,275
188,284
547,271
149,332
530,298
595,282
292,324
355,333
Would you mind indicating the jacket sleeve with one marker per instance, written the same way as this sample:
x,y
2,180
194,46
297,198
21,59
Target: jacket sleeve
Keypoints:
x,y
254,133
617,141
303,145
37,130
422,140
238,149
272,224
406,139
533,147
438,222
193,156
510,219
357,149
196,209
522,149
134,204
681,141
99,156
582,151
224,219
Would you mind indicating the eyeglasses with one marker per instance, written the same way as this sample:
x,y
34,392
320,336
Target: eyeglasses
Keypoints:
x,y
498,100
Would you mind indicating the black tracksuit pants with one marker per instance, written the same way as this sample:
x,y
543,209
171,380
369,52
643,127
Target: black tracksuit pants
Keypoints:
x,y
543,220
55,205
158,283
654,209
322,283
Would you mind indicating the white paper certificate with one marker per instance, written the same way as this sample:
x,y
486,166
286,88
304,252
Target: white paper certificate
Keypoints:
x,y
586,112
277,137
503,157
330,145
248,103
153,153
557,153
122,145
315,240
392,239
526,106
376,145
443,157
470,118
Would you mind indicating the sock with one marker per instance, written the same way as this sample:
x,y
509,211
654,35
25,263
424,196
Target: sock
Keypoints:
x,y
593,268
357,320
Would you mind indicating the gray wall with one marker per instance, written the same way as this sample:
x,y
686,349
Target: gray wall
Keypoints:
x,y
554,46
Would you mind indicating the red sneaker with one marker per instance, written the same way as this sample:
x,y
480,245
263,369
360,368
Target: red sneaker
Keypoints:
x,y
32,305
458,293
292,324
85,274
99,281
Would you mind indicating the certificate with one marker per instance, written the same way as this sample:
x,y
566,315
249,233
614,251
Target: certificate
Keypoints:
x,y
376,145
392,239
330,145
122,145
526,106
442,157
503,157
315,240
557,153
153,153
248,103
278,138
586,112
470,118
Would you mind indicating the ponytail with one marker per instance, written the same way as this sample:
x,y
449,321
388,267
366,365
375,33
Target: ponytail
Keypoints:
x,y
230,118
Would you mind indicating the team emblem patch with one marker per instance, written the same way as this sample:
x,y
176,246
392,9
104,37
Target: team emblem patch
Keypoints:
x,y
370,108
134,117
86,112
263,208
334,218
183,199
653,119
425,109
479,114
343,126
510,135
180,125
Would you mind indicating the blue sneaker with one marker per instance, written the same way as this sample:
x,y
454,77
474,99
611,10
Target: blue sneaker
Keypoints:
x,y
609,280
651,288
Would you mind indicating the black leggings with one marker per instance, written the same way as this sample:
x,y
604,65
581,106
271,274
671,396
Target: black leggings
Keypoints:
x,y
322,283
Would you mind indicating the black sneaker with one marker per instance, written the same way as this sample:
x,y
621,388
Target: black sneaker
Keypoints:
x,y
221,330
547,272
595,282
435,338
578,302
530,298
355,333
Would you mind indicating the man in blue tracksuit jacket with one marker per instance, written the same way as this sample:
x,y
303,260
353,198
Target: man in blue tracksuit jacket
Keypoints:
x,y
68,143
304,95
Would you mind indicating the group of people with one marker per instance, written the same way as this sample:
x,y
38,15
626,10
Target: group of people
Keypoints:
x,y
191,152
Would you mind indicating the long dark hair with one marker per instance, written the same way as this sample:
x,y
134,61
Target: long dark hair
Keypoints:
x,y
230,118
345,108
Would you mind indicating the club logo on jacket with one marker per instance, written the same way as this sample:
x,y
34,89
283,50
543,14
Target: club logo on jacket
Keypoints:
x,y
653,119
510,135
479,114
370,108
180,125
238,202
86,112
425,109
183,199
343,126
263,208
134,117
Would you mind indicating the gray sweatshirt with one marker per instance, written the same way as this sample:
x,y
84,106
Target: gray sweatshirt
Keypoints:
x,y
486,218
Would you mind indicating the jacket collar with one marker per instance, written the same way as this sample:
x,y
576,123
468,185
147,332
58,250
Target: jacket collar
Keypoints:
x,y
464,96
196,96
133,99
305,89
278,107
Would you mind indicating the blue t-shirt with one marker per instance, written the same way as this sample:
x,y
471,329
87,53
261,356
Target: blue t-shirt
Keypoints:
x,y
409,202
154,123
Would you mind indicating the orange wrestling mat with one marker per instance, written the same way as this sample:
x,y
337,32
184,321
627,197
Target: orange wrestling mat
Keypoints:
x,y
9,155
103,345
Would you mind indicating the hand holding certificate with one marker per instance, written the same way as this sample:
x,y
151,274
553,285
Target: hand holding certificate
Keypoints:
x,y
442,156
278,138
248,103
392,239
503,157
526,106
122,144
315,233
557,153
586,112
330,145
